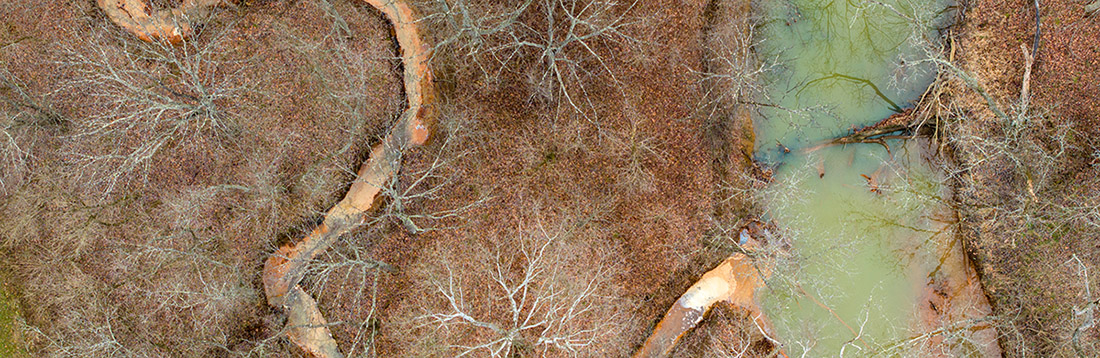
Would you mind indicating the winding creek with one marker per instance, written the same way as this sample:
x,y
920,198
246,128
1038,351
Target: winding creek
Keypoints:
x,y
306,326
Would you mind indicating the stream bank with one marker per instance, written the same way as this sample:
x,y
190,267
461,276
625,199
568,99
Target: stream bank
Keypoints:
x,y
1028,185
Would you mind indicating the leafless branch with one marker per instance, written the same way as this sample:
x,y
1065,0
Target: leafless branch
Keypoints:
x,y
544,306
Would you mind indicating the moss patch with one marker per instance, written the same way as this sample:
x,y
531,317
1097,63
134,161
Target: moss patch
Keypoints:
x,y
9,312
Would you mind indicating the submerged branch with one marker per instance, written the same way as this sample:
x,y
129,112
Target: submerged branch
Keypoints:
x,y
893,106
897,126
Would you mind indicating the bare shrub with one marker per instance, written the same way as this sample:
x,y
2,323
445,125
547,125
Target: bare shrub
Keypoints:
x,y
84,332
1084,313
727,332
21,113
1018,162
734,73
182,283
474,30
171,299
347,276
1025,190
410,193
13,157
638,151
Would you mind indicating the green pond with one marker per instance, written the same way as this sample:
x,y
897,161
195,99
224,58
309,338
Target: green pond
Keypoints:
x,y
859,257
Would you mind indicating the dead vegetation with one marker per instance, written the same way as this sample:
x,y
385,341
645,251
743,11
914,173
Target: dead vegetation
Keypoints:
x,y
214,172
1025,181
147,96
558,47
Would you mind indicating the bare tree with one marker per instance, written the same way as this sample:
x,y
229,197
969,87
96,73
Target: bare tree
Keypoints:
x,y
734,73
638,150
569,38
541,297
409,191
1085,313
146,95
13,158
20,113
349,275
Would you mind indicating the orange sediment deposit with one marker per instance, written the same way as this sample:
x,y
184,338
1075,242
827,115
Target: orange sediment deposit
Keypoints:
x,y
306,326
162,25
418,77
953,307
734,281
287,266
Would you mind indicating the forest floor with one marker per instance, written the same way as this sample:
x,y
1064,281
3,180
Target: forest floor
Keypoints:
x,y
1029,209
633,181
168,263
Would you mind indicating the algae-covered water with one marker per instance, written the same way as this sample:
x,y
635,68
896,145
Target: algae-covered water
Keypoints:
x,y
861,219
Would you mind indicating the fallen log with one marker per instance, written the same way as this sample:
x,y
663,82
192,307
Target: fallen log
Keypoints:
x,y
897,126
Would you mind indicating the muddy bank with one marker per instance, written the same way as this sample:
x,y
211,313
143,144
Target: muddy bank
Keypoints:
x,y
307,327
172,25
734,282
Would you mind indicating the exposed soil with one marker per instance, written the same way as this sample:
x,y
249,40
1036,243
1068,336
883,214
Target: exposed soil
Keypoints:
x,y
543,162
128,262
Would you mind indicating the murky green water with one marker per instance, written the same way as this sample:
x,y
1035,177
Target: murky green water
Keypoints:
x,y
853,279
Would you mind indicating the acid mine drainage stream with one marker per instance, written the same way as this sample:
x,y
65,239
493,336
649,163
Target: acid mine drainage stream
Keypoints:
x,y
874,268
306,326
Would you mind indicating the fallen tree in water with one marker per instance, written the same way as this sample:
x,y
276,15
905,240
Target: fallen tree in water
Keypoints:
x,y
897,126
